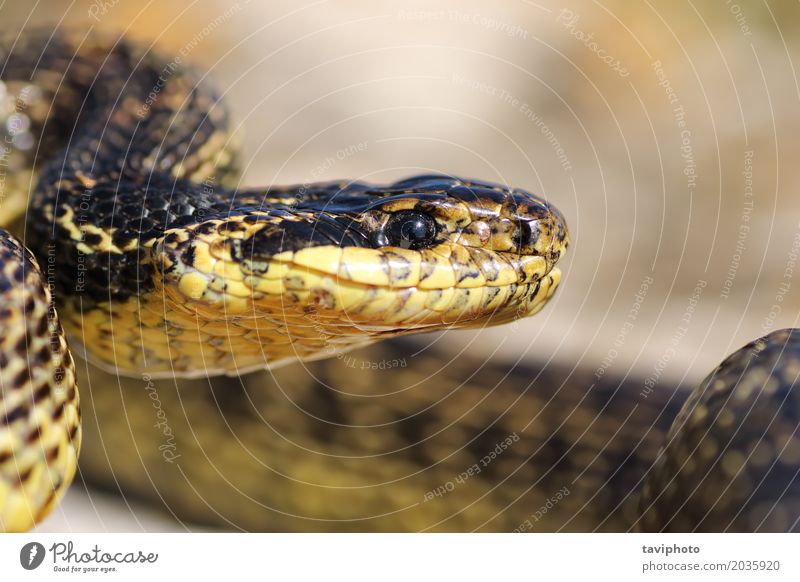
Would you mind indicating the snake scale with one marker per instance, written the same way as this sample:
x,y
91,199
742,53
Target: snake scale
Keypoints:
x,y
139,241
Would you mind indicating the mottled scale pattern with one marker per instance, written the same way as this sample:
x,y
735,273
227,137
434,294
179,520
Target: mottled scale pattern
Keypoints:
x,y
732,457
40,432
384,438
361,442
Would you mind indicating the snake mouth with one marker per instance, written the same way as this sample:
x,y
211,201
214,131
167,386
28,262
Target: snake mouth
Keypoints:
x,y
400,291
350,295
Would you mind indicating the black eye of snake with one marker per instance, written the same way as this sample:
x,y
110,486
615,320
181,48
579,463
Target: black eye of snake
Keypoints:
x,y
410,230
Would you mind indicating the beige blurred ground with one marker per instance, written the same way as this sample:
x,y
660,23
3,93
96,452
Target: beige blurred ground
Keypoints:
x,y
517,92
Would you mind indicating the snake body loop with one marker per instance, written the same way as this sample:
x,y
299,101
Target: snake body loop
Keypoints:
x,y
162,266
40,432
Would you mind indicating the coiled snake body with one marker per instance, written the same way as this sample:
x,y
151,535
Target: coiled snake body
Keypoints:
x,y
161,268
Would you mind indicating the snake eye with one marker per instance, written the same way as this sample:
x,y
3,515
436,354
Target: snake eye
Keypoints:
x,y
410,230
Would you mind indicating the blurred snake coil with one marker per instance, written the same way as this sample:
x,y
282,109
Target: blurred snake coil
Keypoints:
x,y
119,173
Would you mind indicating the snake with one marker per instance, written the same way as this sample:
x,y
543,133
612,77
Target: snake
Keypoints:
x,y
240,353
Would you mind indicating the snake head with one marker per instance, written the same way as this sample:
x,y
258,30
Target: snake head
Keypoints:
x,y
346,264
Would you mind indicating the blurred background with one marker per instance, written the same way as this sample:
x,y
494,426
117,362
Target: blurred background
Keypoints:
x,y
663,130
